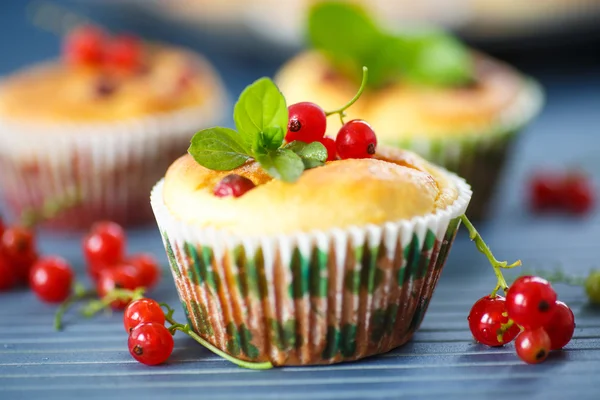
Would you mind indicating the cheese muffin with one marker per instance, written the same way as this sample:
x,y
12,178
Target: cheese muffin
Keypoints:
x,y
465,123
336,266
105,126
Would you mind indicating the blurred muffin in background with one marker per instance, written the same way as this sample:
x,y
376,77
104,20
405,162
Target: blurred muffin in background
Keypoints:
x,y
103,121
428,92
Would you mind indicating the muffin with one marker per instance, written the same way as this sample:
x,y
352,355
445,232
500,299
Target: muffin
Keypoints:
x,y
281,256
104,121
456,107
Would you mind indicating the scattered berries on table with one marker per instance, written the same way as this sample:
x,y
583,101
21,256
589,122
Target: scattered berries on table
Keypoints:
x,y
356,139
104,247
570,192
142,311
147,269
8,277
123,276
307,122
486,319
579,195
530,302
17,244
561,326
233,185
533,346
151,343
51,279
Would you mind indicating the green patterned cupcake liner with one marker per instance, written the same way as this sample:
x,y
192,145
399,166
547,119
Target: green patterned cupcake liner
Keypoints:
x,y
478,156
320,297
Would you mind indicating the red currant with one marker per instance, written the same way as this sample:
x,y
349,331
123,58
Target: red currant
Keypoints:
x,y
307,122
8,278
18,246
578,195
85,45
104,247
147,269
51,279
530,302
561,327
233,185
545,192
124,53
151,343
120,277
142,311
356,139
486,319
2,227
329,144
533,346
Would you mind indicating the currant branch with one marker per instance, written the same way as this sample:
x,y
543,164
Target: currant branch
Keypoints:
x,y
51,208
95,306
361,89
175,326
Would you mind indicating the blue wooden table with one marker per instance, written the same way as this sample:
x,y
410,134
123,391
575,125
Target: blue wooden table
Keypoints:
x,y
90,358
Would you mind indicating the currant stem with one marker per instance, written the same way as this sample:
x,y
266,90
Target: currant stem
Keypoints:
x,y
96,306
558,276
80,293
175,326
51,208
503,329
483,248
361,89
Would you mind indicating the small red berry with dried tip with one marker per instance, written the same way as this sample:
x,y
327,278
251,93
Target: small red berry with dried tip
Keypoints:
x,y
147,269
356,139
307,122
142,311
17,244
530,302
233,185
104,247
85,46
486,319
151,343
533,346
329,144
51,279
561,327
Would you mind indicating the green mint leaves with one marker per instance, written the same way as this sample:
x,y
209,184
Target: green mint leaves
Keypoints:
x,y
261,119
351,39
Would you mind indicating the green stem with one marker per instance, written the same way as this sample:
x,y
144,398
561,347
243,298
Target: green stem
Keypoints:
x,y
51,208
80,293
558,276
361,89
175,326
483,248
94,307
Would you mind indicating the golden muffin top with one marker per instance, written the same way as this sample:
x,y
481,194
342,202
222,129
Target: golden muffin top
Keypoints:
x,y
402,109
166,79
393,185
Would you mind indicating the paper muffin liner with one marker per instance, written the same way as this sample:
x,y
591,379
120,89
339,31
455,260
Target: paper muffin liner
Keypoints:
x,y
309,298
112,166
479,157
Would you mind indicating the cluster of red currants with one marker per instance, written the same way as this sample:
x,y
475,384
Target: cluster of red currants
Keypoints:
x,y
49,277
150,342
109,267
308,123
571,192
530,313
89,45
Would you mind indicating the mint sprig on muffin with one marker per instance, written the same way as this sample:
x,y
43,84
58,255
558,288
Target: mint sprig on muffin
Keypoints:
x,y
350,38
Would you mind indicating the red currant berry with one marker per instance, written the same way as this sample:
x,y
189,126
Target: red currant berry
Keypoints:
x,y
533,346
142,311
307,122
151,343
85,45
530,302
147,269
233,185
8,278
2,227
18,246
124,53
545,192
486,319
578,195
120,277
51,279
561,327
329,144
356,139
104,247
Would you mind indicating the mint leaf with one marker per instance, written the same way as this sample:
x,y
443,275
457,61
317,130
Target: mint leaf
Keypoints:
x,y
282,164
219,149
260,108
269,139
312,154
